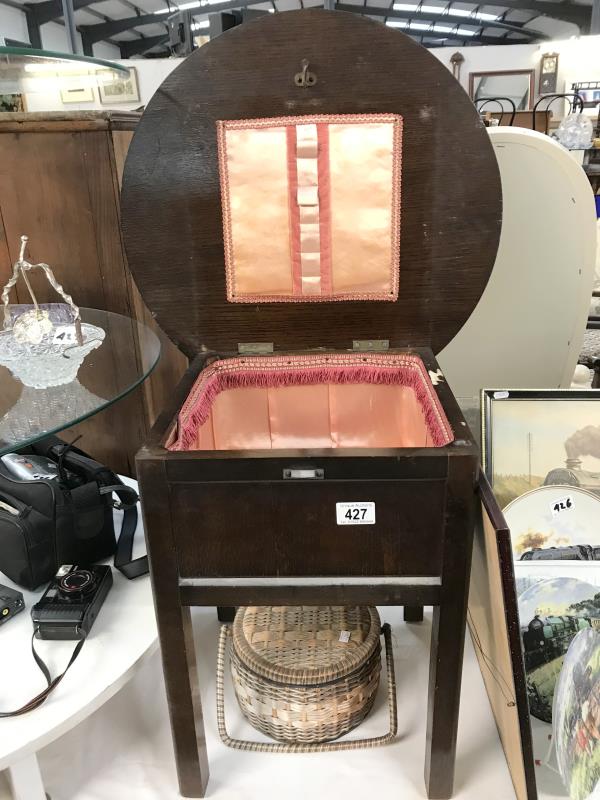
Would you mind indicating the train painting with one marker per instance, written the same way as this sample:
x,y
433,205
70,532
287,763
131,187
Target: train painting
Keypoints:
x,y
545,642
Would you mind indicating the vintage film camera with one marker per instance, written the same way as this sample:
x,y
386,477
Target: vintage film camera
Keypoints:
x,y
71,603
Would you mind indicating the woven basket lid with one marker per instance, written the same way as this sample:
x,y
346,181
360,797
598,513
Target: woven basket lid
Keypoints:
x,y
305,645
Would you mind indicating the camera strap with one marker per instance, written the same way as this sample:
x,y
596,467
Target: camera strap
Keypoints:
x,y
123,561
37,701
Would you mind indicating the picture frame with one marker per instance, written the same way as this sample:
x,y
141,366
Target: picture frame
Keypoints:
x,y
13,102
539,437
516,84
121,90
548,73
77,94
589,92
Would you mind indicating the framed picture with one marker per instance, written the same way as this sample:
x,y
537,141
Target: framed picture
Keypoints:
x,y
589,91
533,438
122,90
548,73
12,102
517,85
77,94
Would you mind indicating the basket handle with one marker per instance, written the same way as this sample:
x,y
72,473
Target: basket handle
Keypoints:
x,y
324,747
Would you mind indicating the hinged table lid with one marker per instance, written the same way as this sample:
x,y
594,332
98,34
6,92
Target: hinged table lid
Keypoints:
x,y
446,173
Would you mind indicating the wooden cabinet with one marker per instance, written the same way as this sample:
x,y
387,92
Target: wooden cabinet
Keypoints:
x,y
254,519
60,177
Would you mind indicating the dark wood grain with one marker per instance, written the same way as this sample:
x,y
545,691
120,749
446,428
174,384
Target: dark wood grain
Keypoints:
x,y
175,634
413,613
374,593
451,195
295,523
448,629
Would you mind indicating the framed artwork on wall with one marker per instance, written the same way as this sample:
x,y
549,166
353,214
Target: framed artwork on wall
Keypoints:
x,y
533,438
516,85
122,90
589,91
548,73
12,102
77,94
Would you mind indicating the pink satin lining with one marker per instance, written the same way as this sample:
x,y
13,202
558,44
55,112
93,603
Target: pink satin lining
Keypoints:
x,y
325,415
311,207
342,400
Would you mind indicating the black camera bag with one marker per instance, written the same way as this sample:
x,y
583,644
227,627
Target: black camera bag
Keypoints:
x,y
65,521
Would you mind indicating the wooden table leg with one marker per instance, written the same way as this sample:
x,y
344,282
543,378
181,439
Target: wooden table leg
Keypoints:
x,y
225,613
175,634
413,613
448,635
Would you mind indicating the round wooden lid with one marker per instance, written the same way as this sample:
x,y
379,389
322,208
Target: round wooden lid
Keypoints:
x,y
305,645
451,194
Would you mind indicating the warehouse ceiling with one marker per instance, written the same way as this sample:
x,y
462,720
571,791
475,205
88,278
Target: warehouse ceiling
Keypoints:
x,y
138,26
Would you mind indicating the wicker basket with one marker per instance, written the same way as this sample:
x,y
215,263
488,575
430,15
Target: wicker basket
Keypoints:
x,y
306,675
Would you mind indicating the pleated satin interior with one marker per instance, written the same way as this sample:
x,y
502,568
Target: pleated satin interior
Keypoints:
x,y
312,401
325,415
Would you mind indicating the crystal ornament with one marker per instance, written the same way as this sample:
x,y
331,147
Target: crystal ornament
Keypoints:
x,y
575,132
44,345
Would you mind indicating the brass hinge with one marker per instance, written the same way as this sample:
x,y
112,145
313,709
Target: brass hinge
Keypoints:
x,y
369,345
255,348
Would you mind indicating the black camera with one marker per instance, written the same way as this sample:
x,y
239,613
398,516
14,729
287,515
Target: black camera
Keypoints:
x,y
11,602
71,603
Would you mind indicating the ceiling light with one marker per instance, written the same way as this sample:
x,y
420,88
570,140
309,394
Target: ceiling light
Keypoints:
x,y
443,28
490,17
396,23
405,6
460,12
420,26
465,32
431,9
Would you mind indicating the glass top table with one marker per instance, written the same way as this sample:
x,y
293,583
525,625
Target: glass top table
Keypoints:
x,y
124,353
25,73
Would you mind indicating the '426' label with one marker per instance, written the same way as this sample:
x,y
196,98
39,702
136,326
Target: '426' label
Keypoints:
x,y
561,504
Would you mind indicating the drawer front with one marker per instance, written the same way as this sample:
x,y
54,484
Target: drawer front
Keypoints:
x,y
290,528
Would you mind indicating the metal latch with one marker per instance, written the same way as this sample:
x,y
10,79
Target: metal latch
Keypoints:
x,y
303,473
255,348
368,345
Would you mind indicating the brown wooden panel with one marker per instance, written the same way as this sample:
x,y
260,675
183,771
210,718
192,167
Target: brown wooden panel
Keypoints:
x,y
5,262
159,386
49,201
281,528
451,210
59,183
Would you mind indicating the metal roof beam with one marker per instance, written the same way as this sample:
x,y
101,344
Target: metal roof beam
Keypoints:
x,y
567,12
466,40
51,9
227,5
96,33
391,13
141,46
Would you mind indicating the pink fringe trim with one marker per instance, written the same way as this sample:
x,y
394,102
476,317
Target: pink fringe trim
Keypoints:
x,y
275,371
